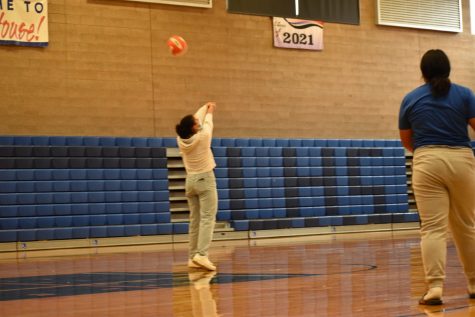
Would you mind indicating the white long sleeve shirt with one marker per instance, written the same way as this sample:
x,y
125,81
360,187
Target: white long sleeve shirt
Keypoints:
x,y
196,151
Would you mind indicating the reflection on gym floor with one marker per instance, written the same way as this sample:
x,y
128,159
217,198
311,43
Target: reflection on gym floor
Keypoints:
x,y
375,274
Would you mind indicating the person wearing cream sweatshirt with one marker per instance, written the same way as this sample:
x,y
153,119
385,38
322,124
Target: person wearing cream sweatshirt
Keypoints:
x,y
194,142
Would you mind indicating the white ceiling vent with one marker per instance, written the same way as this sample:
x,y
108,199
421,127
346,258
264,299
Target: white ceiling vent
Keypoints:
x,y
440,15
189,3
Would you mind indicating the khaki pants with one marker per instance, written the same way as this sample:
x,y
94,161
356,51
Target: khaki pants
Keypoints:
x,y
202,197
444,188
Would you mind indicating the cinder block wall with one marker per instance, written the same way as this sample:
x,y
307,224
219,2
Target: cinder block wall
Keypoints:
x,y
107,71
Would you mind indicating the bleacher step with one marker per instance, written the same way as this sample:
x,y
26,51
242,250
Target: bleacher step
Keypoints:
x,y
175,165
173,152
176,173
176,187
178,198
178,209
218,227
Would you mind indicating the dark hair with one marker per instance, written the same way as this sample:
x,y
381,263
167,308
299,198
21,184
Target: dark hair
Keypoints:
x,y
435,67
185,128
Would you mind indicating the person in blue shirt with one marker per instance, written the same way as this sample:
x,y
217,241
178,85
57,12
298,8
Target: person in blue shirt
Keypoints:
x,y
433,123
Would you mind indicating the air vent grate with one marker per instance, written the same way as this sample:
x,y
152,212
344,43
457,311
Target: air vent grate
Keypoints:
x,y
440,15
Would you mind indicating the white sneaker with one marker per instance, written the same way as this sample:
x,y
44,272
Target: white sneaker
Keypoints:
x,y
192,264
204,262
432,297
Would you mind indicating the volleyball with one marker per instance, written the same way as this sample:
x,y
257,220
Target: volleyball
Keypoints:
x,y
177,45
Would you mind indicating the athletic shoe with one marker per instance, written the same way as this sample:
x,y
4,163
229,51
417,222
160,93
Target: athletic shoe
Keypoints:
x,y
432,297
204,262
192,264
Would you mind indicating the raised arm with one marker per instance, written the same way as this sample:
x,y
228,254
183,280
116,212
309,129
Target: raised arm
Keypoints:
x,y
201,113
203,110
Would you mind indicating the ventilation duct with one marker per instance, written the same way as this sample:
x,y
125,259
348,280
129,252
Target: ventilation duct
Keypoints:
x,y
439,15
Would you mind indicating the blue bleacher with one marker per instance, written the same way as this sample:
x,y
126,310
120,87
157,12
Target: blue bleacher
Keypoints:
x,y
60,187
348,177
55,187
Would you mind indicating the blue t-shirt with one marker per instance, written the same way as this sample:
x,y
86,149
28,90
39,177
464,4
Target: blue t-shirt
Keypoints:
x,y
438,121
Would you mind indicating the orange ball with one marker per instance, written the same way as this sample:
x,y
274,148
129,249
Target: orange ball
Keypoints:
x,y
177,45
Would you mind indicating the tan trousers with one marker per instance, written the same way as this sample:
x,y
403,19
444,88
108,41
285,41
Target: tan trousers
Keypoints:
x,y
444,188
202,197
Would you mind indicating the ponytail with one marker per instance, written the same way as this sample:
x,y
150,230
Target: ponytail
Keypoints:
x,y
439,86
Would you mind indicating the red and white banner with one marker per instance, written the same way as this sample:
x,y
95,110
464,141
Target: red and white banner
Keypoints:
x,y
299,34
24,22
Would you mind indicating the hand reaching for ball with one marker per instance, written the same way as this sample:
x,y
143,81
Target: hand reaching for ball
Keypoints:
x,y
211,106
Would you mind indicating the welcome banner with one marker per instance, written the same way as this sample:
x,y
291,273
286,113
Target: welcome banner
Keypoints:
x,y
24,22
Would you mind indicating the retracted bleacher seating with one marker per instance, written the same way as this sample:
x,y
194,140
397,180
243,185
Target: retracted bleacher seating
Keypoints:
x,y
82,187
296,183
94,187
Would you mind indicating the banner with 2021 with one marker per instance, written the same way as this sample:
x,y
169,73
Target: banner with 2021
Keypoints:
x,y
298,34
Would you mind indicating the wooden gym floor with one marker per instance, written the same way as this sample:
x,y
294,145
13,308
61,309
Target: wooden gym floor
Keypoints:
x,y
373,274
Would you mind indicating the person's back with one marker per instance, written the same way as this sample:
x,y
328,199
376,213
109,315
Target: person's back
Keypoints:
x,y
196,152
437,120
433,123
